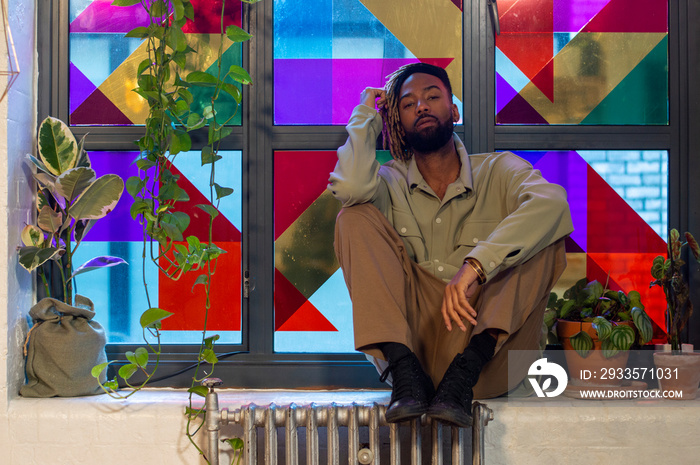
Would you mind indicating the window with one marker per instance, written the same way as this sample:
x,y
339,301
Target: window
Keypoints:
x,y
624,160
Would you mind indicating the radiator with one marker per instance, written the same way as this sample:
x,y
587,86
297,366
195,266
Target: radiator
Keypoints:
x,y
360,420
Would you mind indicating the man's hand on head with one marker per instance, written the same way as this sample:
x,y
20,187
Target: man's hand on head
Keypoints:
x,y
372,97
455,302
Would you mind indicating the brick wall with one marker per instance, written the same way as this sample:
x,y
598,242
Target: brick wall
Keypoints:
x,y
640,177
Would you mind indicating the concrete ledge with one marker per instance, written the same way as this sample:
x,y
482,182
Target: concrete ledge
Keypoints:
x,y
149,428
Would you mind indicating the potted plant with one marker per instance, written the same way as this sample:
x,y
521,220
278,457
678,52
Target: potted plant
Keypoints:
x,y
681,370
597,326
70,198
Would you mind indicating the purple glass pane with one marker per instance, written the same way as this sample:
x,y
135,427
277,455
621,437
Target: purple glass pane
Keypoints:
x,y
101,16
80,87
303,91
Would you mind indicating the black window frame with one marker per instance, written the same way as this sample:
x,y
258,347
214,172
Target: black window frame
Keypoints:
x,y
259,366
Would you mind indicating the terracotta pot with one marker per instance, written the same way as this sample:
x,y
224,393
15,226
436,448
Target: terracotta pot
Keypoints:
x,y
680,372
589,370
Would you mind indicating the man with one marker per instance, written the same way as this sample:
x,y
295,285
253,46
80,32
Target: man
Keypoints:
x,y
449,258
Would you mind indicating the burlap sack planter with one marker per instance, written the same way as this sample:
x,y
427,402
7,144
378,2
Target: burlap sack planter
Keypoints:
x,y
63,346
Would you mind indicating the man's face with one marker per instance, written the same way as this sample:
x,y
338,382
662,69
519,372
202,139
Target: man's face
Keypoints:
x,y
427,113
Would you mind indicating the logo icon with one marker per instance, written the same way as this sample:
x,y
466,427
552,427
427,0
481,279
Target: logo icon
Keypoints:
x,y
544,371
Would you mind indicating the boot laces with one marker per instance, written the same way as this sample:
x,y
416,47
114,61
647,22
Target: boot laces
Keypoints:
x,y
408,378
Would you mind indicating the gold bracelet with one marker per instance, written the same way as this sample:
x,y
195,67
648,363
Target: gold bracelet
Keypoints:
x,y
478,269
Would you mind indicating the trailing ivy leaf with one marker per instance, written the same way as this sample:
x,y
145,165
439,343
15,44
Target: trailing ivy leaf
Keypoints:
x,y
98,263
233,91
208,155
199,390
140,32
178,40
127,371
32,257
178,9
172,231
73,182
97,370
134,185
222,192
239,74
235,443
622,337
643,324
112,384
236,34
180,142
125,2
145,164
194,121
582,343
609,349
139,207
208,356
209,341
141,357
208,112
603,327
57,147
189,11
201,78
210,209
152,317
201,279
216,134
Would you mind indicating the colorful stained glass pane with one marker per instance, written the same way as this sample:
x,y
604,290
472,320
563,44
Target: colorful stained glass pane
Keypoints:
x,y
119,291
103,63
601,62
617,201
619,220
327,51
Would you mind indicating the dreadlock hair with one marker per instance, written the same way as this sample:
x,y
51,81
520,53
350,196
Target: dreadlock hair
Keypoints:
x,y
393,133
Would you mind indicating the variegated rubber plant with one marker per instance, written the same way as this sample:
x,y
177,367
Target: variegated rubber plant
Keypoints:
x,y
668,273
605,309
70,198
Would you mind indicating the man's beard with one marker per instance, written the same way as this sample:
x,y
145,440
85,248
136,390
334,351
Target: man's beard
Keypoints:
x,y
430,139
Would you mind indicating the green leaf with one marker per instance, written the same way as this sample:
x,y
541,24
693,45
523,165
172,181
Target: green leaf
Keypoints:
x,y
97,370
73,182
194,121
125,2
99,199
199,390
239,74
222,192
209,341
98,263
140,32
32,257
210,209
152,317
219,133
591,293
134,185
127,371
233,91
622,337
180,142
178,40
236,34
49,220
112,384
566,308
141,357
201,78
608,348
208,155
643,324
582,343
139,207
57,147
201,279
178,9
603,327
32,236
209,356
235,443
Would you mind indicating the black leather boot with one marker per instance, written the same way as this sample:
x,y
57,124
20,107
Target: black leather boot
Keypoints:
x,y
453,401
411,389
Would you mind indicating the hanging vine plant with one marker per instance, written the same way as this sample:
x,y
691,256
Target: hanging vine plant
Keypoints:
x,y
168,84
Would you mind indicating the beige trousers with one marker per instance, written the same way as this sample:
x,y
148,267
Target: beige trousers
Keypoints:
x,y
396,300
